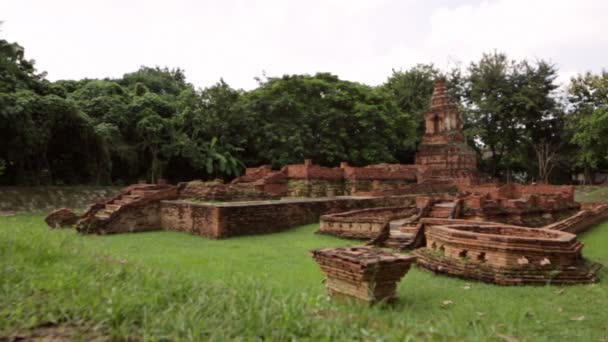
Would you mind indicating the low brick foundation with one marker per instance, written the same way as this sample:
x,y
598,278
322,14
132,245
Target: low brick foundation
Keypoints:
x,y
222,220
505,255
363,224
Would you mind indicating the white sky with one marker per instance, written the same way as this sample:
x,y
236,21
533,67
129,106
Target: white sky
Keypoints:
x,y
358,40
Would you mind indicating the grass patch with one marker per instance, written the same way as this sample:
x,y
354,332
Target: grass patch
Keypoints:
x,y
591,193
172,286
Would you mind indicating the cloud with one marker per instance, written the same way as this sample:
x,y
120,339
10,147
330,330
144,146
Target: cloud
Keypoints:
x,y
360,40
571,34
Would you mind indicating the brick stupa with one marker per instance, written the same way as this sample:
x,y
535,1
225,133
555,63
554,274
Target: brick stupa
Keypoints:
x,y
443,152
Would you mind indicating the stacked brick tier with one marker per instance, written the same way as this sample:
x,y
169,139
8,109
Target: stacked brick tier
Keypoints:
x,y
505,255
363,273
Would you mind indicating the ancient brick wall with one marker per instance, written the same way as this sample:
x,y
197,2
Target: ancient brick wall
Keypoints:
x,y
258,172
315,188
218,191
567,192
190,217
398,189
583,220
221,220
513,190
406,173
310,171
488,189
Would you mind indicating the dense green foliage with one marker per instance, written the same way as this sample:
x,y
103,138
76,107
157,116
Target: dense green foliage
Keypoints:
x,y
151,123
173,286
589,96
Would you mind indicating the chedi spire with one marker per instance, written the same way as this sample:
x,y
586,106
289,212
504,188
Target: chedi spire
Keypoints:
x,y
443,113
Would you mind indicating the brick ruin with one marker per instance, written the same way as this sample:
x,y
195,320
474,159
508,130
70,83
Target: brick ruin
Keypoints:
x,y
505,255
363,224
441,199
444,163
366,274
443,154
135,209
229,219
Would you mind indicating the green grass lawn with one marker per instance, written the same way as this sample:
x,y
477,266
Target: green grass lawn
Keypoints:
x,y
174,286
591,193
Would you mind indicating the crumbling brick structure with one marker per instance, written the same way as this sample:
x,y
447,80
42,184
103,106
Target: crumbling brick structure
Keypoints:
x,y
516,204
444,153
444,163
363,273
135,209
445,169
505,255
363,224
223,220
591,215
258,183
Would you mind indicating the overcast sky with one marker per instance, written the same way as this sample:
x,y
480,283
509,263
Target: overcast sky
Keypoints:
x,y
359,40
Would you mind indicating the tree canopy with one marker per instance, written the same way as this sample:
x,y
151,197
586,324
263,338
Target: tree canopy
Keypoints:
x,y
152,123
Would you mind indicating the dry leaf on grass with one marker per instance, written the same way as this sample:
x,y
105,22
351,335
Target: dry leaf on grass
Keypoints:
x,y
446,303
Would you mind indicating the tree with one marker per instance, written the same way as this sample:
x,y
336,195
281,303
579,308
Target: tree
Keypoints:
x,y
16,72
153,131
412,90
162,81
510,111
589,120
325,119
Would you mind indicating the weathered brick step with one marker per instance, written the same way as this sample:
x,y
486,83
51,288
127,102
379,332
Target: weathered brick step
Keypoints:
x,y
399,240
395,224
131,197
112,207
142,193
102,215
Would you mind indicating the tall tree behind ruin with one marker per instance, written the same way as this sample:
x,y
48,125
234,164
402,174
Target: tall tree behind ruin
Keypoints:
x,y
511,106
411,90
589,120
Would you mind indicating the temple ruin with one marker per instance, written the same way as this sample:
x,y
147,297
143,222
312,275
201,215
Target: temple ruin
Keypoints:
x,y
459,221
